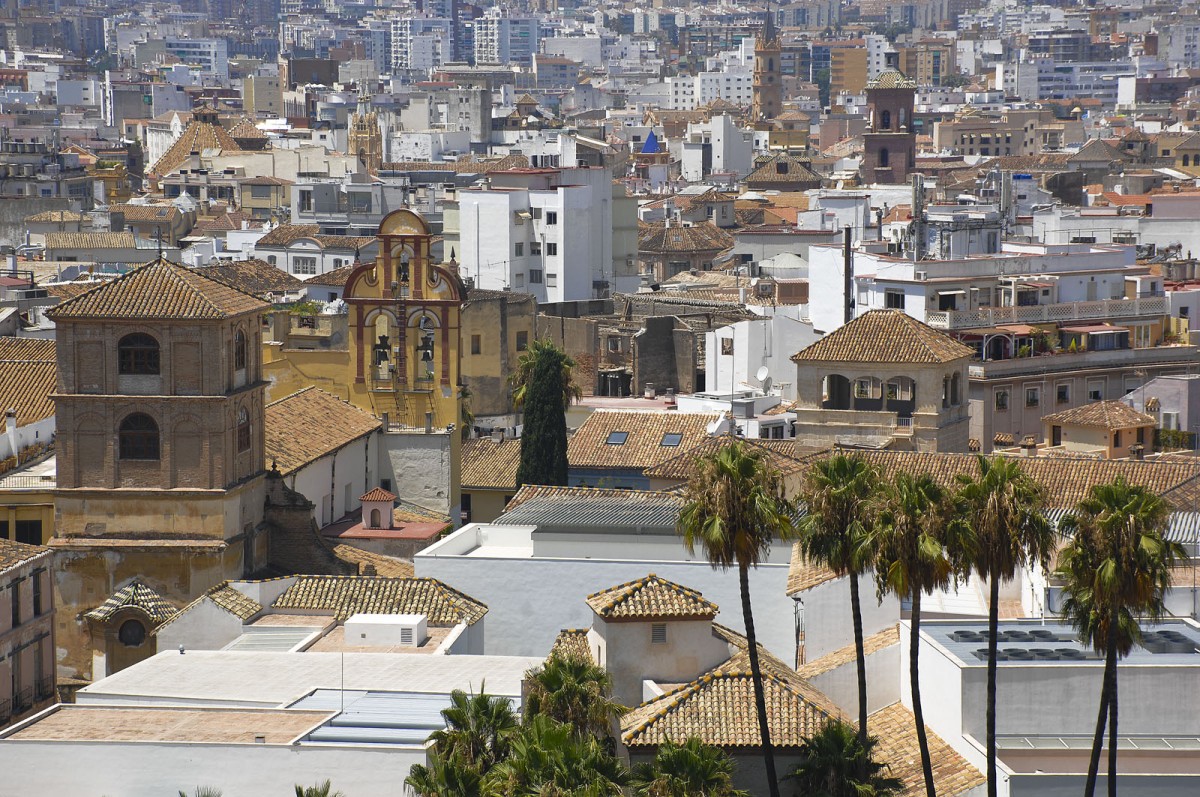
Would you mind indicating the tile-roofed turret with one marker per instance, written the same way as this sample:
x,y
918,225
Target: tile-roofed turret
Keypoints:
x,y
159,290
675,237
1102,415
377,494
348,595
202,133
137,595
891,79
885,336
651,598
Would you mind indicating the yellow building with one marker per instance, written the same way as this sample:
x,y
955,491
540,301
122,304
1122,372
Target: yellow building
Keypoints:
x,y
848,68
489,477
264,197
1106,429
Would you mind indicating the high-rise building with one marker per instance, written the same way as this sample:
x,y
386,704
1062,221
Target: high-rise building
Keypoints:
x,y
504,39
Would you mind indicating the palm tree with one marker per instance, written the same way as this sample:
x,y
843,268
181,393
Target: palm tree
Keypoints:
x,y
1116,567
834,762
734,508
911,536
574,691
691,769
520,378
444,776
478,729
1008,533
202,791
833,533
320,790
550,757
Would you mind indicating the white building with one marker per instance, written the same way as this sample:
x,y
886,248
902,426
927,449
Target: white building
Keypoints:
x,y
736,355
504,39
420,43
733,84
210,55
548,232
717,145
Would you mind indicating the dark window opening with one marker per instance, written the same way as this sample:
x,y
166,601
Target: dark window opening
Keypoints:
x,y
138,437
239,351
29,532
617,438
131,634
243,430
138,354
671,439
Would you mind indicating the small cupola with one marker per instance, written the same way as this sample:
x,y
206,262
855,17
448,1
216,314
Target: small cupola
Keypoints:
x,y
377,508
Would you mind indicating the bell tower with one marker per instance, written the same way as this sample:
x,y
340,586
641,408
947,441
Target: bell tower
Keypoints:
x,y
364,140
890,143
767,86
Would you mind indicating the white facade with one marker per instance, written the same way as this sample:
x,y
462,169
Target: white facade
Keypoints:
x,y
501,39
334,482
420,43
734,84
549,233
736,353
210,55
717,145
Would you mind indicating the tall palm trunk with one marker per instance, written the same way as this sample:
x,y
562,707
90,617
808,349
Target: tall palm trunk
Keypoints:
x,y
760,702
993,643
860,658
1112,713
1102,716
914,675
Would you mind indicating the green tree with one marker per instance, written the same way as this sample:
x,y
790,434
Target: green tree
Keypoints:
x,y
834,533
691,769
542,387
444,776
1116,567
1008,532
733,510
478,729
551,758
202,791
911,536
835,762
573,691
320,790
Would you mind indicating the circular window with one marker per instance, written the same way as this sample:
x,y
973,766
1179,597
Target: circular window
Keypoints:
x,y
131,633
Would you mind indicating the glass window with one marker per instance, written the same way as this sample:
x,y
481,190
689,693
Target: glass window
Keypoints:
x,y
1001,400
617,438
1062,394
243,430
535,276
551,249
1033,396
522,340
476,344
535,247
239,351
138,437
893,300
671,439
138,354
552,217
519,249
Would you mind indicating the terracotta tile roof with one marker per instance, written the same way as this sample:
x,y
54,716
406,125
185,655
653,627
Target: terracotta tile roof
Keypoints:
x,y
377,494
891,79
284,234
55,217
134,594
702,237
1097,150
148,213
89,240
848,655
196,137
885,336
234,602
160,290
247,129
26,386
265,180
419,166
255,277
69,290
802,575
572,643
490,465
334,279
784,168
308,425
29,349
370,563
643,444
681,467
896,730
349,595
13,553
718,707
1102,415
651,597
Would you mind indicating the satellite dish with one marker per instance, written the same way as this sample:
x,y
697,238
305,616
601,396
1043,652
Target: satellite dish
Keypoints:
x,y
762,373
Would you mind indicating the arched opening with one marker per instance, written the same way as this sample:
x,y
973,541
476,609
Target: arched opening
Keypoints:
x,y
132,634
868,394
770,64
956,390
885,120
835,393
1185,160
243,430
900,396
138,354
375,519
239,351
885,158
138,437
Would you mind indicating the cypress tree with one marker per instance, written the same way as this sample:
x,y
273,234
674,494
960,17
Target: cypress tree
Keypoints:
x,y
544,440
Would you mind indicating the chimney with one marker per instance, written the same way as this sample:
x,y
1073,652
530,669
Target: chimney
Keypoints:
x,y
1137,451
497,435
1028,446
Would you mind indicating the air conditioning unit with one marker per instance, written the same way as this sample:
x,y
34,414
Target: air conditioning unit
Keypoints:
x,y
386,630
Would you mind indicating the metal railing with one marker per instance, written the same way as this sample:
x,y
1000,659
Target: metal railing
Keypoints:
x,y
904,426
23,481
1047,313
45,688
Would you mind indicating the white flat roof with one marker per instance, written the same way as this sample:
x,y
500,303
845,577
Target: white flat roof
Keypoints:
x,y
274,679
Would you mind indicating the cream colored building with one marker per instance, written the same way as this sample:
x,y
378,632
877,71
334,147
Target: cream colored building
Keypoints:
x,y
1108,429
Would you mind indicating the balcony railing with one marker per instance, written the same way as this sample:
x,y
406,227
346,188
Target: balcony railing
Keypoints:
x,y
1047,313
45,688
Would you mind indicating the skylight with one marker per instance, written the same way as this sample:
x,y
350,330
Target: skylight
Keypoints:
x,y
617,438
671,439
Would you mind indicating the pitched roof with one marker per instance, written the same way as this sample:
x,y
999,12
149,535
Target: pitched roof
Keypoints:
x,y
284,234
1102,415
636,439
782,455
55,217
894,726
490,464
891,79
90,240
583,509
370,563
160,290
676,237
783,168
1097,150
13,553
255,277
245,128
718,707
147,213
308,425
378,494
26,386
885,336
135,594
572,643
349,595
334,279
234,602
803,575
651,597
848,654
196,137
29,349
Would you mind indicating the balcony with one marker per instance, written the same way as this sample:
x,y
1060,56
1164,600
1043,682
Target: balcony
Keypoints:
x,y
1166,357
1101,310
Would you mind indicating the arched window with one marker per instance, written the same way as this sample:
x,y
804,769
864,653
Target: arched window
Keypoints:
x,y
770,64
375,519
239,351
131,634
137,354
885,120
243,430
139,437
1185,160
885,158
